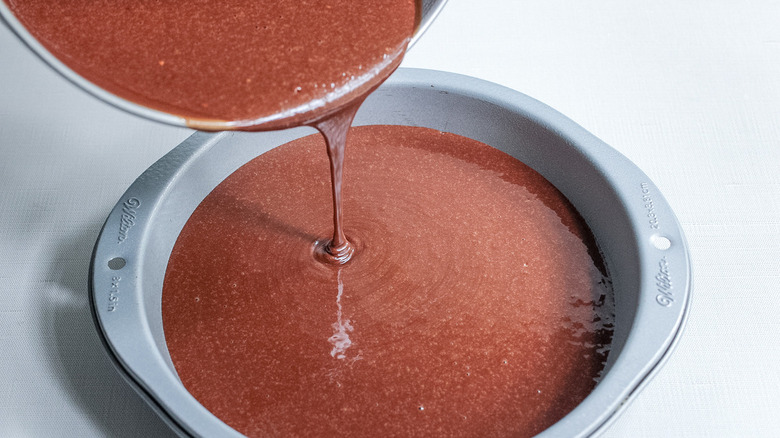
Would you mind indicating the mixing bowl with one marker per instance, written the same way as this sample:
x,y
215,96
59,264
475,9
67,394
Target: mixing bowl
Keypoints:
x,y
428,9
641,241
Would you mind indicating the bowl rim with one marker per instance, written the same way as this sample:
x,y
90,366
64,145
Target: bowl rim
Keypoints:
x,y
656,328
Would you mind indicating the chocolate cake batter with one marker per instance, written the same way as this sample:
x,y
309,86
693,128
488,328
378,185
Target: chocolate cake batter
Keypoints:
x,y
227,64
472,305
456,294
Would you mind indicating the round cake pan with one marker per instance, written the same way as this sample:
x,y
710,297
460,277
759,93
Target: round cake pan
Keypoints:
x,y
641,241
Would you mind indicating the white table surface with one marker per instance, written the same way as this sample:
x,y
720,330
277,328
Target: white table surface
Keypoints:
x,y
688,90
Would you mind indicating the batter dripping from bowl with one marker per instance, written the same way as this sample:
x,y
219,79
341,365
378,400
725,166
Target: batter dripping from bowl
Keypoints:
x,y
238,64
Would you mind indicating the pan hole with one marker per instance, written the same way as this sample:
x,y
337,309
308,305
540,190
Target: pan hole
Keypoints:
x,y
661,242
116,263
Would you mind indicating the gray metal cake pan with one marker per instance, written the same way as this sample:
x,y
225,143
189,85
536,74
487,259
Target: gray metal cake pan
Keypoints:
x,y
640,239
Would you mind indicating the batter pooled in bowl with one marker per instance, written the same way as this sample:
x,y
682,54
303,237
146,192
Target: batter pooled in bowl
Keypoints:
x,y
227,64
475,303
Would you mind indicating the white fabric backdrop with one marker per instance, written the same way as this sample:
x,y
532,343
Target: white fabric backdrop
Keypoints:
x,y
690,91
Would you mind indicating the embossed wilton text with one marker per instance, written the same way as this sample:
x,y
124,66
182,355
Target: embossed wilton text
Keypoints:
x,y
663,282
129,212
